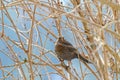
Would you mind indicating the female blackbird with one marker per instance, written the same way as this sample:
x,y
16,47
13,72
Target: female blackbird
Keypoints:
x,y
66,51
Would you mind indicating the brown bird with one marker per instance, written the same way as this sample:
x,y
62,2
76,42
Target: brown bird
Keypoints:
x,y
66,51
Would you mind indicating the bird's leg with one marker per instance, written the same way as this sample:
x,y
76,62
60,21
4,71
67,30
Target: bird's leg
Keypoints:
x,y
69,71
63,64
69,63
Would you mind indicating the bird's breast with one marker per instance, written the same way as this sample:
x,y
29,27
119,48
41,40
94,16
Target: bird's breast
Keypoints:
x,y
59,47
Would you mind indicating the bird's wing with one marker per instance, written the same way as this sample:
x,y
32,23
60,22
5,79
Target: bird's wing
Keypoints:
x,y
69,46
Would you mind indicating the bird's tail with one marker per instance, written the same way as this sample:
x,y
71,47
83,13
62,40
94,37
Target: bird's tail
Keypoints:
x,y
83,59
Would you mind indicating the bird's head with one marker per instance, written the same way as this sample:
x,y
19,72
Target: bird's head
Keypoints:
x,y
61,39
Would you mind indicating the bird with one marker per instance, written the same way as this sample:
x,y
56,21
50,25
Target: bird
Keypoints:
x,y
66,51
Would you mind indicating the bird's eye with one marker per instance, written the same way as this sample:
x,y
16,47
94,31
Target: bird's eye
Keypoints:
x,y
61,38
